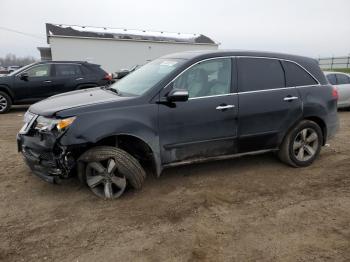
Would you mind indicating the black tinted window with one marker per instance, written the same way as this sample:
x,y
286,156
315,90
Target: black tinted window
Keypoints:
x,y
343,79
86,71
297,76
331,79
92,68
67,70
259,74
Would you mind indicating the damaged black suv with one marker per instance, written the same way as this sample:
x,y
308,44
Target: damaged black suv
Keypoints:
x,y
182,108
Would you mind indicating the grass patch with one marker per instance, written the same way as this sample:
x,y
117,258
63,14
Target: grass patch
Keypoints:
x,y
344,70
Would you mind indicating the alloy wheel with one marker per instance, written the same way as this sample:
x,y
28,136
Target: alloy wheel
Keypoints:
x,y
3,103
104,179
305,144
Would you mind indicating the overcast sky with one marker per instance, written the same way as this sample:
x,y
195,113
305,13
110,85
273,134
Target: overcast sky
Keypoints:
x,y
306,27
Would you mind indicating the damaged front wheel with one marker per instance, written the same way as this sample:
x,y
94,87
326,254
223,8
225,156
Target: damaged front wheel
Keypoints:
x,y
107,171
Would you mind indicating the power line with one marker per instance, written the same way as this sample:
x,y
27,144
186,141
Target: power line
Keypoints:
x,y
21,33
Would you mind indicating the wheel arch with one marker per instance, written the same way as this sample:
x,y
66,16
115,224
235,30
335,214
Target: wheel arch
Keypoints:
x,y
321,123
135,146
318,120
5,89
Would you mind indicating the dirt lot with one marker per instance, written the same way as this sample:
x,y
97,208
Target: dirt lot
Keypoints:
x,y
248,209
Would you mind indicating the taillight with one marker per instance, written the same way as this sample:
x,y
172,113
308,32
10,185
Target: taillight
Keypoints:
x,y
335,93
108,77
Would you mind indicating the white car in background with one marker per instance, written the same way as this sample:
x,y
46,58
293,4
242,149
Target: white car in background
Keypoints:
x,y
342,82
13,68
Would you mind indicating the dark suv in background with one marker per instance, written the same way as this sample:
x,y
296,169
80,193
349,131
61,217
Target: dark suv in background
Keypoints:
x,y
179,109
40,80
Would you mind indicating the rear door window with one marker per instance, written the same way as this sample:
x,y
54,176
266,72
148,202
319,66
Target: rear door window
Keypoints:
x,y
332,79
296,75
67,70
342,79
259,74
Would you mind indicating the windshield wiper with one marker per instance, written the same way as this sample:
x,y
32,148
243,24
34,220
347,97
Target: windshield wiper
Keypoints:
x,y
111,89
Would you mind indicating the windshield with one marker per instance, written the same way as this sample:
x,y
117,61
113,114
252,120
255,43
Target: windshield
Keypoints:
x,y
147,76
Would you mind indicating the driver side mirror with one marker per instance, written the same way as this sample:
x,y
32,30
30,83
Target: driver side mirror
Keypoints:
x,y
24,76
177,95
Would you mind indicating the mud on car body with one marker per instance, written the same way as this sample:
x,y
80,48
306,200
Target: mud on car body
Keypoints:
x,y
182,108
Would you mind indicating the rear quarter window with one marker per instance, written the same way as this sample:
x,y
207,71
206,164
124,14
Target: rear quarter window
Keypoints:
x,y
296,75
94,69
86,71
68,70
332,79
259,74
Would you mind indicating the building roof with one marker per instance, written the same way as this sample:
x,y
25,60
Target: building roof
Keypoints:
x,y
57,30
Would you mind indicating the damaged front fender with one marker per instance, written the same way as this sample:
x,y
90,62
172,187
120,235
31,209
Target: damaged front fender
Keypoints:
x,y
116,122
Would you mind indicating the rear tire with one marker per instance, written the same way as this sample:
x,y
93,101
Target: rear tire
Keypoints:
x,y
107,170
5,102
302,144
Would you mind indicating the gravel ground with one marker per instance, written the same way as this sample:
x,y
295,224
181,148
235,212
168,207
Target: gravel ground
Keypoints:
x,y
248,209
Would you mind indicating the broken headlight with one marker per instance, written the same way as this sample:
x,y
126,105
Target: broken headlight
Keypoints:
x,y
28,117
49,124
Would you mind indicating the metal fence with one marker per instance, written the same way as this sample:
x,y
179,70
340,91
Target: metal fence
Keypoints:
x,y
334,62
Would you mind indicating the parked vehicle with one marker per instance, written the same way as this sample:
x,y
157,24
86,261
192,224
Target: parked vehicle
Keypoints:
x,y
4,72
342,82
13,68
43,79
179,109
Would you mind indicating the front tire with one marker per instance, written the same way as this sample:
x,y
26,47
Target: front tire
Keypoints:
x,y
107,170
302,144
5,102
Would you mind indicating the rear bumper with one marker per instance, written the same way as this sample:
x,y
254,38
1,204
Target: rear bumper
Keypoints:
x,y
39,156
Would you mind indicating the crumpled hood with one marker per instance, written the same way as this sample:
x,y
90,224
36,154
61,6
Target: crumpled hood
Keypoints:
x,y
79,98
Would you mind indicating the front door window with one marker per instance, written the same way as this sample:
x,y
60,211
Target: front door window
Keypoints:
x,y
39,71
208,78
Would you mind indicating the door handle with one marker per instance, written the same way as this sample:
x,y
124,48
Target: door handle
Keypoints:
x,y
290,98
223,107
79,78
48,81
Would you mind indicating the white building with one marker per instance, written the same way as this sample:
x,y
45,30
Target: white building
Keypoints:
x,y
116,49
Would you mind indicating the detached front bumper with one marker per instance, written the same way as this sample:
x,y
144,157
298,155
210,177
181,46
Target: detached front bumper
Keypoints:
x,y
38,153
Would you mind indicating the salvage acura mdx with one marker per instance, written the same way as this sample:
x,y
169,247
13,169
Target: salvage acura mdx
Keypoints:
x,y
182,108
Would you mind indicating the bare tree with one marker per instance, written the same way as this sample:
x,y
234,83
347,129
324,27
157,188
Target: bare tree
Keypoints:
x,y
13,60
